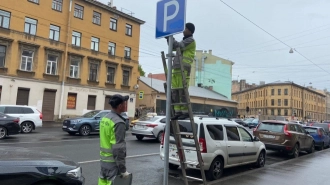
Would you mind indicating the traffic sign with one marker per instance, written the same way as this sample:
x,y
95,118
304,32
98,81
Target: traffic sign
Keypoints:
x,y
170,18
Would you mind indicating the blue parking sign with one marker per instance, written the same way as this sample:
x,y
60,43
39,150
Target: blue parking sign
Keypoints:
x,y
170,18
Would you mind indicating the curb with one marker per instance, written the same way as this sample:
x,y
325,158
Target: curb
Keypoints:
x,y
258,169
52,125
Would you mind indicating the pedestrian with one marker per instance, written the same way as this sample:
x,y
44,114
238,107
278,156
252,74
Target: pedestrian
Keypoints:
x,y
112,142
188,49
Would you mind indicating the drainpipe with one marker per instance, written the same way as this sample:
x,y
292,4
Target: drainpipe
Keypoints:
x,y
65,60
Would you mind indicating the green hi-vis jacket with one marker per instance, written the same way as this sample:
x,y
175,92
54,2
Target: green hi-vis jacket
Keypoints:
x,y
112,142
188,49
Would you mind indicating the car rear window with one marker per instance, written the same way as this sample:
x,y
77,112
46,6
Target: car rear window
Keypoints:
x,y
185,127
215,131
311,130
272,127
27,110
325,126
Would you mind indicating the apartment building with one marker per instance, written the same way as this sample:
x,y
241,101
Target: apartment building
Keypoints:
x,y
67,57
282,99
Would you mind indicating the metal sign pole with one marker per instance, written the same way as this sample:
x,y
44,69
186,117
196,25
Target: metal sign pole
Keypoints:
x,y
168,110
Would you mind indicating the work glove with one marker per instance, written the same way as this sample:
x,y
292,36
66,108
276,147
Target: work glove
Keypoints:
x,y
125,175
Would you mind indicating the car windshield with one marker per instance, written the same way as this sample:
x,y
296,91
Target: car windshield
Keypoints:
x,y
148,118
185,127
249,120
255,121
91,114
311,130
272,127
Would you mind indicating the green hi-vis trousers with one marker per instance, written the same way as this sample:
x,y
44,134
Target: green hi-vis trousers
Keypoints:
x,y
178,95
104,182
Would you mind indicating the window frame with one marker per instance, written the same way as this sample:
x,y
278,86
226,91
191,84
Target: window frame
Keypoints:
x,y
3,16
30,25
127,50
243,130
57,5
76,38
26,61
78,11
73,67
75,103
93,78
129,29
279,91
52,62
272,102
279,102
112,48
239,137
94,43
96,19
113,23
272,92
34,1
215,125
53,32
4,56
114,74
89,100
128,77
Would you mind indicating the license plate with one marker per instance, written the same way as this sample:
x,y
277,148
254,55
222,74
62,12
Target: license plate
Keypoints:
x,y
139,126
269,136
65,126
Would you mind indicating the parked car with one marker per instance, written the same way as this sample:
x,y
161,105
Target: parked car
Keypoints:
x,y
254,123
151,127
284,136
325,126
299,122
29,116
150,114
8,125
31,167
87,123
239,121
321,138
223,143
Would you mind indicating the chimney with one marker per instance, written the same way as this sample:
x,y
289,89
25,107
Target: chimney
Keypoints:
x,y
110,3
199,85
210,52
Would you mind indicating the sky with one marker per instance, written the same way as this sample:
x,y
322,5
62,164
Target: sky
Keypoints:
x,y
303,25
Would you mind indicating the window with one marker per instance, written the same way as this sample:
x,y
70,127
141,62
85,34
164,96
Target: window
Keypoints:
x,y
95,43
128,30
286,102
74,68
91,102
111,74
278,112
2,55
30,26
279,101
273,102
127,52
76,38
272,112
57,5
125,77
232,134
279,91
93,69
27,110
286,112
112,48
54,32
71,101
113,24
273,92
4,19
13,110
78,11
34,1
51,65
215,131
245,135
27,59
96,18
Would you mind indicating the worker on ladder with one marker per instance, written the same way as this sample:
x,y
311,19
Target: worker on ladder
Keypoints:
x,y
188,49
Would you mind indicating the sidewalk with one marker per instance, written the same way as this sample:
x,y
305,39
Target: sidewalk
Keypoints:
x,y
307,170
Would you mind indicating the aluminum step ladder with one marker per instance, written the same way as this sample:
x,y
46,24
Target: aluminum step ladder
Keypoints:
x,y
174,125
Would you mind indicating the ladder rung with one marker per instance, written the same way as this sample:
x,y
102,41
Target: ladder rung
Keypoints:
x,y
185,133
191,163
183,148
194,178
180,103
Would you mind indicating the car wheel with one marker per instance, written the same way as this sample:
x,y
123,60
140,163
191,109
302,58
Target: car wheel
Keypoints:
x,y
295,151
322,146
72,133
216,169
261,160
160,137
3,132
139,137
85,130
26,127
173,166
312,148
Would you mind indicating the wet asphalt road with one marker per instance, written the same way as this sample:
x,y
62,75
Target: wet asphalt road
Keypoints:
x,y
143,156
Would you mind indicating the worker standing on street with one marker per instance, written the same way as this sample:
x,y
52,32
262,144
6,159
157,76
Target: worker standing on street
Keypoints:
x,y
188,49
112,142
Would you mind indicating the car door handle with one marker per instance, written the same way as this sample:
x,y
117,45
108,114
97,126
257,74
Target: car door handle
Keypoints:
x,y
228,145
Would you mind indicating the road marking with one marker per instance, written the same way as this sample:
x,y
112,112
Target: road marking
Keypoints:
x,y
128,157
64,140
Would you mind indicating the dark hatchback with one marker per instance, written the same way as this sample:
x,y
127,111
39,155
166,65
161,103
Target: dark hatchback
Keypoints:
x,y
8,125
26,167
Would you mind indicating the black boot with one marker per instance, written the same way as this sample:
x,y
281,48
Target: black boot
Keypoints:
x,y
176,116
183,116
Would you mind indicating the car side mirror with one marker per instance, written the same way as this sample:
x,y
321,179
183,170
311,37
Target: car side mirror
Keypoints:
x,y
256,138
97,117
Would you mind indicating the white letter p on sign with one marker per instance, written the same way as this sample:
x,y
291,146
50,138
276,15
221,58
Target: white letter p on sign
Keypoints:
x,y
170,17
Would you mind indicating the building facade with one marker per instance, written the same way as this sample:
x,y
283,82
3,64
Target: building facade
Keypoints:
x,y
241,85
282,99
67,61
212,72
151,95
